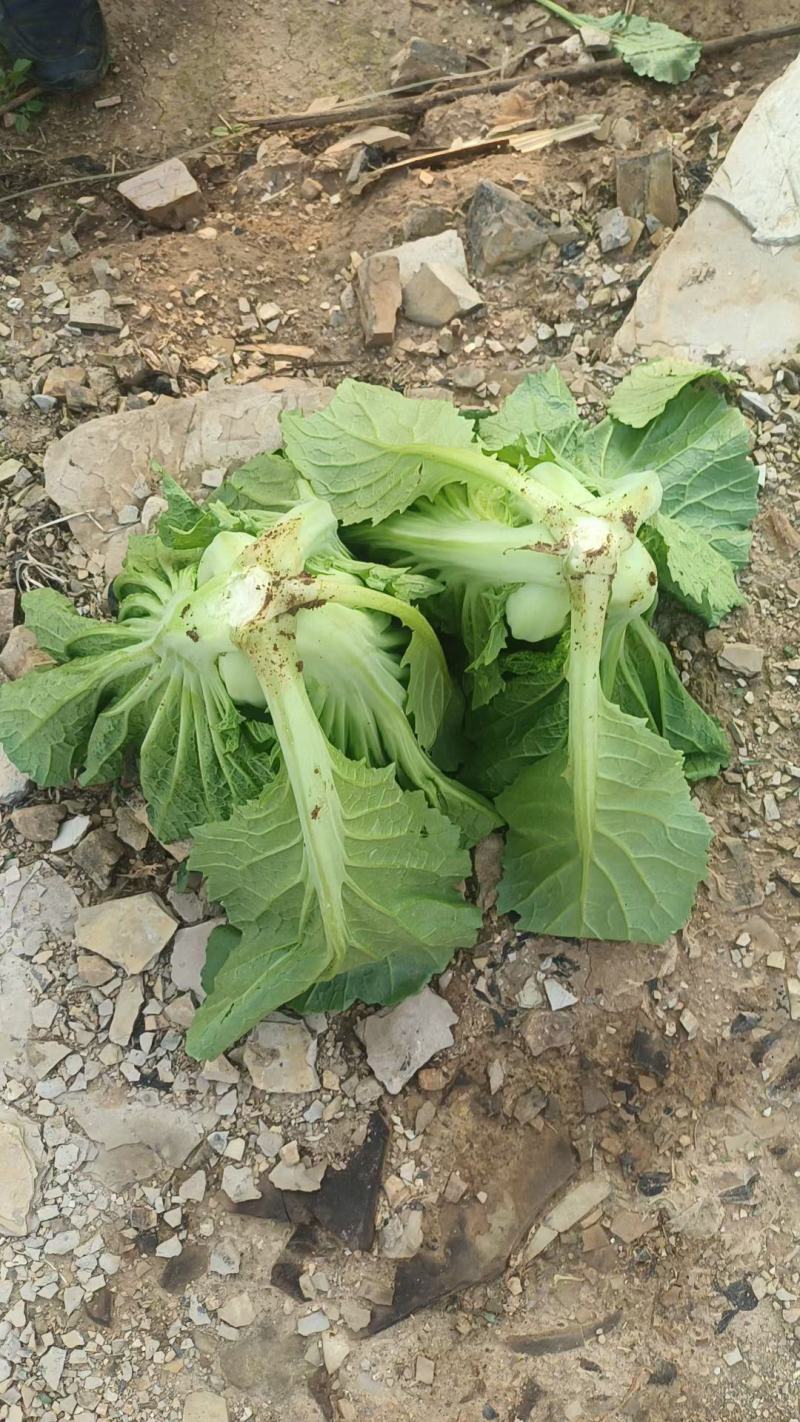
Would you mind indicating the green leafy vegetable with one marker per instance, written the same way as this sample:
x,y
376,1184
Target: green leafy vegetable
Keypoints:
x,y
639,674
372,451
334,873
648,389
293,709
690,567
620,849
697,444
651,48
538,418
145,683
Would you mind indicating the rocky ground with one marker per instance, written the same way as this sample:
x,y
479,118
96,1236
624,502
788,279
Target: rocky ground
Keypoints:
x,y
574,1166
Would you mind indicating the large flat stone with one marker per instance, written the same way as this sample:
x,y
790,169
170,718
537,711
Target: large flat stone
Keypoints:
x,y
105,464
719,287
37,909
717,291
136,1141
760,177
20,1157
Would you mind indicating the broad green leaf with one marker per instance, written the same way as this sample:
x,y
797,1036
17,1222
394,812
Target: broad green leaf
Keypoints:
x,y
690,567
476,613
525,722
645,683
651,48
142,685
221,942
198,758
372,451
698,447
538,416
354,669
529,718
644,854
47,716
648,388
185,524
62,632
384,984
268,481
389,862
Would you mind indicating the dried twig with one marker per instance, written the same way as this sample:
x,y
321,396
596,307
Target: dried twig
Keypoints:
x,y
20,99
508,136
568,74
394,108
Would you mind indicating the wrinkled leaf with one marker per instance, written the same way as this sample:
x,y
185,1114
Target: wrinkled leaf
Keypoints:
x,y
185,524
699,449
690,567
636,876
648,388
651,48
392,861
267,481
645,683
372,451
526,721
539,416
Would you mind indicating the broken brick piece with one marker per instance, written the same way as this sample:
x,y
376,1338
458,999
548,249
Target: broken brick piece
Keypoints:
x,y
167,195
379,296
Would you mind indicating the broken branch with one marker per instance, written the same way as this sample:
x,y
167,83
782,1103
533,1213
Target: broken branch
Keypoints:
x,y
568,74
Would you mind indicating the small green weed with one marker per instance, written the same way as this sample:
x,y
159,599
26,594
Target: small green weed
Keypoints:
x,y
12,82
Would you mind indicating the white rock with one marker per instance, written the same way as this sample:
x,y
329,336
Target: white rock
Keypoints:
x,y
402,1039
44,1057
335,1349
20,1147
36,906
73,1298
221,1070
205,1407
239,1311
280,1056
316,1322
188,956
93,970
238,1184
65,1242
51,1366
97,463
14,785
445,247
729,277
129,932
126,1010
194,1188
170,1249
689,1023
270,1143
577,1205
437,293
297,1177
557,995
401,1236
136,1139
70,832
530,994
225,1258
